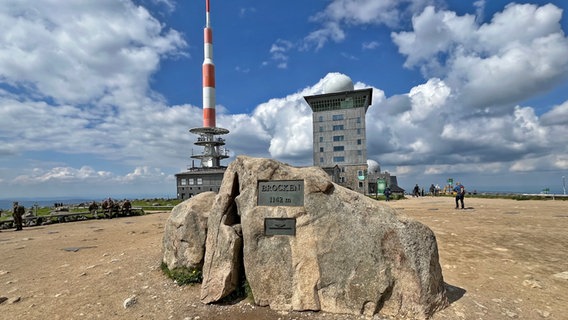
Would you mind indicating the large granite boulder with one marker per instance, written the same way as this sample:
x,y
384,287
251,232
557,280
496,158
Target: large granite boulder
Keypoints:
x,y
183,244
347,253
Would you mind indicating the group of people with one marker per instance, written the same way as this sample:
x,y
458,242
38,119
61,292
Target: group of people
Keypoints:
x,y
459,191
125,207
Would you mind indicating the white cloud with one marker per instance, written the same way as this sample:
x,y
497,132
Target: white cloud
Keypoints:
x,y
63,174
87,174
479,10
499,63
558,115
279,52
341,14
78,52
370,45
319,38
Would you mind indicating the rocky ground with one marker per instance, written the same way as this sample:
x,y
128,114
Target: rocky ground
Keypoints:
x,y
501,259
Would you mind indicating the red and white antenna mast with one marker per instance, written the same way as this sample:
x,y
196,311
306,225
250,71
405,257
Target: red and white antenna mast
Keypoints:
x,y
213,146
208,72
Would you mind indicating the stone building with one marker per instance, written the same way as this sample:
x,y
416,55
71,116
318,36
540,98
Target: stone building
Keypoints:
x,y
339,135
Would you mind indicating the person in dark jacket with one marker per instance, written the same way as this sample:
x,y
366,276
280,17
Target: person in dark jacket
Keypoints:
x,y
17,213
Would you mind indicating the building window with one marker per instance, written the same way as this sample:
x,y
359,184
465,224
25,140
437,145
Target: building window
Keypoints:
x,y
183,181
358,119
321,139
199,181
321,149
321,129
321,160
337,117
359,141
191,181
320,118
338,148
338,127
360,184
338,138
359,152
342,179
338,159
358,130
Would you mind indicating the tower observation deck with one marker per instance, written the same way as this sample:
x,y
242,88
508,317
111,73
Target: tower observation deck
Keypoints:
x,y
213,146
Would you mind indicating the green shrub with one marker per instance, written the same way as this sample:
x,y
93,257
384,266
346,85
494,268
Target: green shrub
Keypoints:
x,y
183,276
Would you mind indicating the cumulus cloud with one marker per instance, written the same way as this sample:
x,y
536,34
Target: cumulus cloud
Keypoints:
x,y
82,72
499,63
557,116
79,52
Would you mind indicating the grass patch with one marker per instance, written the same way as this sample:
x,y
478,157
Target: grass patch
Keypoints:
x,y
182,276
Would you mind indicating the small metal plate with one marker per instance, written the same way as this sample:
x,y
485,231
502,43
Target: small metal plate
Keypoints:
x,y
279,226
281,193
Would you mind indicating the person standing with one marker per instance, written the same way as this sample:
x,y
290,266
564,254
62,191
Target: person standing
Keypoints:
x,y
17,213
460,194
387,194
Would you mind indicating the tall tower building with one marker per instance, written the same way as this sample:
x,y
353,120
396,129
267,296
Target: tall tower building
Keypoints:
x,y
340,141
209,174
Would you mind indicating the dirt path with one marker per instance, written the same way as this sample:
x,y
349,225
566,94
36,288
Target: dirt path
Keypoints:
x,y
503,259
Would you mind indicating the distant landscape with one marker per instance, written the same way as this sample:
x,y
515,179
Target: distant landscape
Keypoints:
x,y
6,204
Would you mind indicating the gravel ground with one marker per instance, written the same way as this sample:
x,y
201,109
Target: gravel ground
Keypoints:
x,y
501,259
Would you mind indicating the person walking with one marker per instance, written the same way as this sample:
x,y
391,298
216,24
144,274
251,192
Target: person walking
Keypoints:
x,y
460,194
416,191
17,213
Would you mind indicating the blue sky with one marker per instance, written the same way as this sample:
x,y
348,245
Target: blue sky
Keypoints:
x,y
97,97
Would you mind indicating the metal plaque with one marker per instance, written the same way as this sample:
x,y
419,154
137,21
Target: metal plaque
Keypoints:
x,y
281,193
279,226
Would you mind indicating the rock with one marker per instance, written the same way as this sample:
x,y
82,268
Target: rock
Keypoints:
x,y
14,300
185,232
223,261
350,254
532,283
543,313
129,302
3,299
